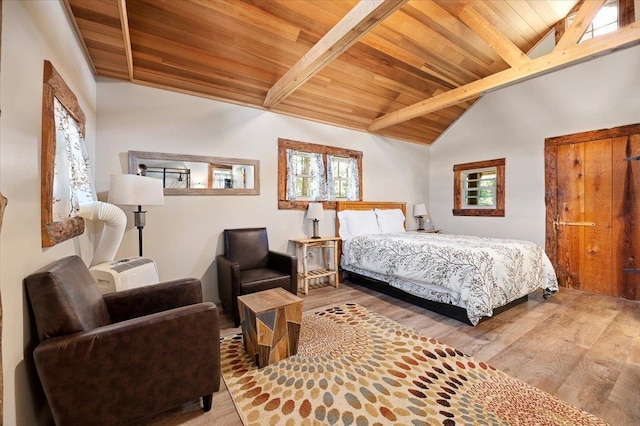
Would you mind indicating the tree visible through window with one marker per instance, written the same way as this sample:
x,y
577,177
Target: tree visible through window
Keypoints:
x,y
478,188
310,172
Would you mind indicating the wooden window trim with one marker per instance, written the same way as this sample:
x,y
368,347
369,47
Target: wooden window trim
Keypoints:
x,y
54,232
499,211
284,144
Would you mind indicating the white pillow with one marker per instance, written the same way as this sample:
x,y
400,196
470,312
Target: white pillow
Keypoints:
x,y
357,222
390,221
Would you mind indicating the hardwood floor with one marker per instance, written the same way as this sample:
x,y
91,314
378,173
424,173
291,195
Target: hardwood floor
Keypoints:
x,y
581,347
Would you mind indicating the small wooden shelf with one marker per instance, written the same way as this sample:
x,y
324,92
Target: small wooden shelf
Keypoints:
x,y
330,260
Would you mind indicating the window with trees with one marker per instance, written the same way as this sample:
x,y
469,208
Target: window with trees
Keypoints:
x,y
478,188
310,172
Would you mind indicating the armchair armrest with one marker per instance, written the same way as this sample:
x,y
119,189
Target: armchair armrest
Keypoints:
x,y
131,368
141,301
228,283
287,264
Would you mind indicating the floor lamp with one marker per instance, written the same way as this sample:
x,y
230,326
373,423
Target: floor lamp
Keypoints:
x,y
134,190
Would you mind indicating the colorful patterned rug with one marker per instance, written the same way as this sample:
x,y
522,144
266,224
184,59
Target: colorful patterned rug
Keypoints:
x,y
356,367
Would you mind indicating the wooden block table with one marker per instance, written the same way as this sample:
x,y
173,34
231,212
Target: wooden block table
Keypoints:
x,y
270,323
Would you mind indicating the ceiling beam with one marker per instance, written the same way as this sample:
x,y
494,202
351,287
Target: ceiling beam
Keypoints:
x,y
623,38
583,19
126,38
500,43
359,21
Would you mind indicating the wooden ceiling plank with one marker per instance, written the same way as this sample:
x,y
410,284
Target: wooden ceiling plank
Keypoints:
x,y
583,19
126,38
69,11
623,38
360,20
494,38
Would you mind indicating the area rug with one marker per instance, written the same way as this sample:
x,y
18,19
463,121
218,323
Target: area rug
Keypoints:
x,y
356,367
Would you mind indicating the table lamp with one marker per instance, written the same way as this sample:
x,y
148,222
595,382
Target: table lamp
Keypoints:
x,y
315,213
420,211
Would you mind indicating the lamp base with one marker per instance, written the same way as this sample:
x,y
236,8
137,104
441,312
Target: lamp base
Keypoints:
x,y
315,229
420,223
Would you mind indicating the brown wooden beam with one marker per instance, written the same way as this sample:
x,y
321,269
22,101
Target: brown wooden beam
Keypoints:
x,y
623,38
74,23
500,43
126,38
359,21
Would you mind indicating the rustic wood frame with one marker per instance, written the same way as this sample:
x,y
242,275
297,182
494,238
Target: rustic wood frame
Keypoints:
x,y
54,232
499,211
284,144
134,158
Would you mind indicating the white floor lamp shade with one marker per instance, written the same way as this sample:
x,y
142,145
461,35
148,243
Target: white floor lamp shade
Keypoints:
x,y
134,190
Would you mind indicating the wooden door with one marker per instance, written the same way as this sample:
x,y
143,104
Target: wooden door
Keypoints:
x,y
593,208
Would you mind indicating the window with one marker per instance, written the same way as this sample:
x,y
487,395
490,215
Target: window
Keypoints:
x,y
605,21
310,172
478,188
614,14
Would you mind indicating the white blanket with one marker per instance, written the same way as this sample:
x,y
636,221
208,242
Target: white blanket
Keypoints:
x,y
475,273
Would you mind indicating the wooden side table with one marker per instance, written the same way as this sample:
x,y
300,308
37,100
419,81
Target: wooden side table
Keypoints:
x,y
330,261
270,322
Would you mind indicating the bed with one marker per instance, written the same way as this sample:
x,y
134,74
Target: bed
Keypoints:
x,y
463,277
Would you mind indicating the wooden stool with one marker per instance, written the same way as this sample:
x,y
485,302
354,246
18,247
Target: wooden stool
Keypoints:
x,y
270,323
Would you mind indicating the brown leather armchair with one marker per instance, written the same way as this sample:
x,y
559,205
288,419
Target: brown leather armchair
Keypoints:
x,y
249,266
124,356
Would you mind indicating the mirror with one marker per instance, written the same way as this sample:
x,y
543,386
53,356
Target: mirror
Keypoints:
x,y
66,176
198,175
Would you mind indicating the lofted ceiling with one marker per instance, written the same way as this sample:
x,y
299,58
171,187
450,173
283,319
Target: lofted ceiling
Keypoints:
x,y
403,69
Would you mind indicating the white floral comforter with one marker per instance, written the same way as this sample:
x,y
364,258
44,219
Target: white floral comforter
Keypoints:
x,y
475,273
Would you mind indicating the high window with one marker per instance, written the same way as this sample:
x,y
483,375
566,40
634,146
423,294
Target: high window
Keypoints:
x,y
605,21
614,14
309,172
478,188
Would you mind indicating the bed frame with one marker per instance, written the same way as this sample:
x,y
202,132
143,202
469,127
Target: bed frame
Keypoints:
x,y
445,309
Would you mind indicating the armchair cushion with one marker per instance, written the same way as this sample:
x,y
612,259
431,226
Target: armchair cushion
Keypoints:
x,y
247,247
65,299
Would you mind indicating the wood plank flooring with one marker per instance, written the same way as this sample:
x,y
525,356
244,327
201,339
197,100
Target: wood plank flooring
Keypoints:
x,y
584,348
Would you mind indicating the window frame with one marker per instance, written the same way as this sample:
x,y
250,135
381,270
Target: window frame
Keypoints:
x,y
459,205
324,150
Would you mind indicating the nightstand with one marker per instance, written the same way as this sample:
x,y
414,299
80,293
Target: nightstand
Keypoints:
x,y
330,260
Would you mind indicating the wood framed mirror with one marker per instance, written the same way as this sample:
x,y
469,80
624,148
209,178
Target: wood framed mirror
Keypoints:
x,y
198,175
66,177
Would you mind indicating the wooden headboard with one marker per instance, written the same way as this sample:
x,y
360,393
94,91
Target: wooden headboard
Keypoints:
x,y
364,205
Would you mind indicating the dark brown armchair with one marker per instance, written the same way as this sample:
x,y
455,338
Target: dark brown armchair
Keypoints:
x,y
124,356
249,266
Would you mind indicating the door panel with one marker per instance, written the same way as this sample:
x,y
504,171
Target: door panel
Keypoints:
x,y
597,209
593,210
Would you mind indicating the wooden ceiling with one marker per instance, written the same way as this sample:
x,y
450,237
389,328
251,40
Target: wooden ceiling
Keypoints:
x,y
403,69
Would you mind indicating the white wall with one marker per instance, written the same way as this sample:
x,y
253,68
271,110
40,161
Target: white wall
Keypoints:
x,y
32,31
513,123
184,235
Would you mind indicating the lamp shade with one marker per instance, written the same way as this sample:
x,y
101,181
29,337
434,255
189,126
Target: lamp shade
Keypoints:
x,y
134,190
420,210
315,211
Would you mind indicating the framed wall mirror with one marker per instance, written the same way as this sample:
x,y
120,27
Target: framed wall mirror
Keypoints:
x,y
67,180
198,175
